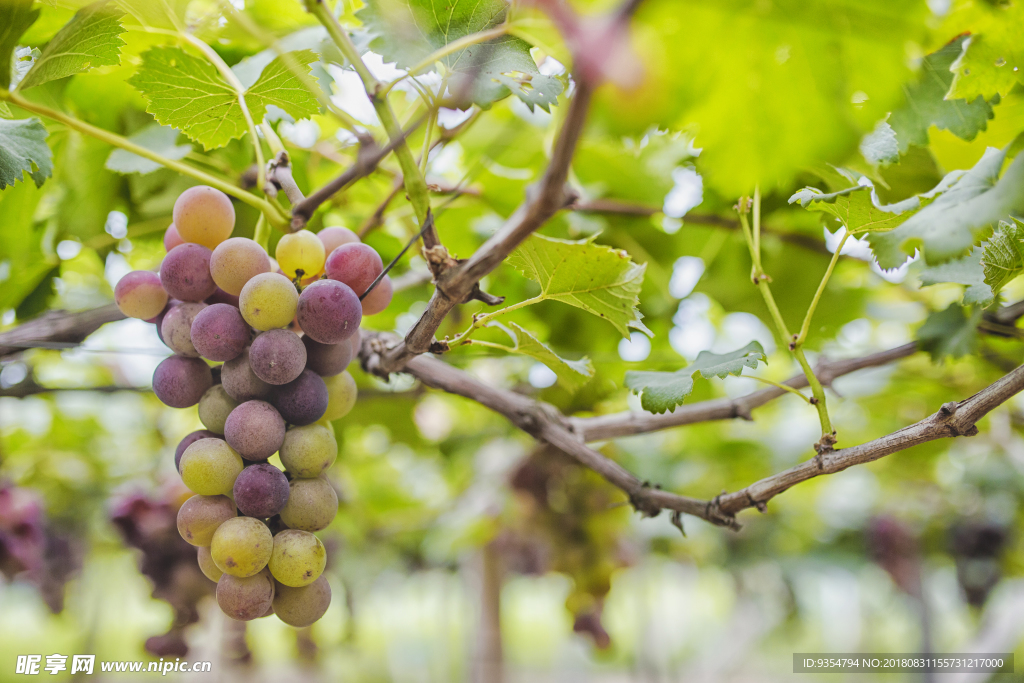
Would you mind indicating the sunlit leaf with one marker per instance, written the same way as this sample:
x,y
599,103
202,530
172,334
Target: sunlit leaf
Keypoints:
x,y
23,150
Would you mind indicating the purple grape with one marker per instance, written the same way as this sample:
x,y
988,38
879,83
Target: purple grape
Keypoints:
x,y
176,328
180,382
302,401
219,332
327,359
241,382
189,440
329,311
277,356
261,490
355,264
380,298
255,429
185,273
221,297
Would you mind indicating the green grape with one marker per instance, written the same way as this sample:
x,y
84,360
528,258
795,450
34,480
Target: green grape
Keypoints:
x,y
207,565
236,261
209,467
300,607
312,504
298,559
214,408
242,546
300,254
199,517
308,451
341,395
246,598
268,301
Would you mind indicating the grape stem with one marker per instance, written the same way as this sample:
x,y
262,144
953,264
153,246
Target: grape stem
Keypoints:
x,y
275,217
482,320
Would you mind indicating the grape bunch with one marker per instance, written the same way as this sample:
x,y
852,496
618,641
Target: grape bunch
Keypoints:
x,y
283,331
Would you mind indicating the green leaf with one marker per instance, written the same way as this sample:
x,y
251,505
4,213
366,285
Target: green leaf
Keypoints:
x,y
968,204
572,374
407,31
1003,257
280,87
662,391
23,150
992,60
950,332
187,93
926,104
15,18
880,147
968,271
154,137
593,277
5,111
857,207
90,39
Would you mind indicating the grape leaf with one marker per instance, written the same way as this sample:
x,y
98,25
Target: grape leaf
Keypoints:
x,y
662,391
571,373
992,60
950,332
15,18
407,31
154,137
857,207
968,270
161,14
23,150
1003,257
90,39
880,147
948,226
593,277
280,87
926,104
5,111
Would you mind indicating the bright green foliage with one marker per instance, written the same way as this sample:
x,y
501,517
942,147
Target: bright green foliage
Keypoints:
x,y
968,270
571,373
280,87
855,206
596,278
949,225
992,61
661,391
950,332
23,150
1003,258
160,139
407,31
91,39
15,18
926,104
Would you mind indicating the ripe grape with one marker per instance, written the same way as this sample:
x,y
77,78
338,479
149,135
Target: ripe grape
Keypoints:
x,y
312,504
218,332
277,356
245,598
204,215
268,301
308,451
188,441
335,236
139,294
303,400
255,429
236,261
199,517
185,273
380,298
207,565
180,382
300,254
214,408
219,296
329,311
300,607
341,395
242,546
172,238
357,265
299,558
209,467
261,490
176,328
241,382
326,359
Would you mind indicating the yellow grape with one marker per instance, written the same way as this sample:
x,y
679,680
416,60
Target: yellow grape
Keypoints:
x,y
308,451
300,607
209,467
204,215
300,254
299,558
268,301
236,261
341,395
207,565
242,546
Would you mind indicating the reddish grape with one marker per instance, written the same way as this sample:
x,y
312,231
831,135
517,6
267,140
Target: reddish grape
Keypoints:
x,y
302,401
139,294
219,296
335,236
378,299
172,238
255,429
356,264
185,273
180,382
329,311
327,359
241,382
176,328
277,356
261,490
204,215
219,333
